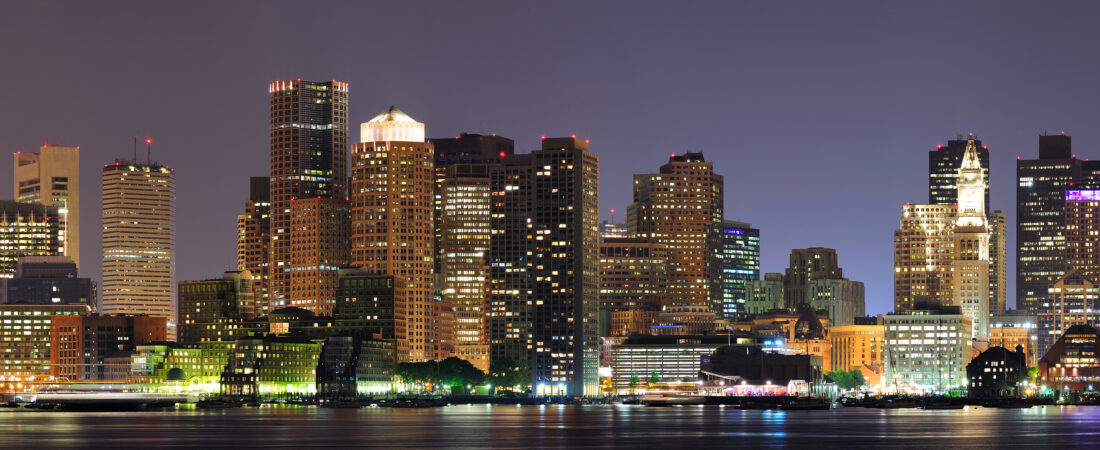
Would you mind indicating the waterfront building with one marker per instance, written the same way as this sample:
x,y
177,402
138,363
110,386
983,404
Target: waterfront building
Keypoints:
x,y
510,262
98,348
681,207
997,372
51,177
923,255
272,366
633,274
47,280
349,366
1016,327
217,309
371,306
254,240
970,265
565,268
755,366
139,215
1071,363
610,230
943,170
463,277
672,358
25,338
859,347
308,139
928,348
765,295
26,229
738,262
1041,186
1072,300
168,366
810,337
392,204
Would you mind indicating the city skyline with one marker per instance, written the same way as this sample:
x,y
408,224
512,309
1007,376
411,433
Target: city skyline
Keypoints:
x,y
772,110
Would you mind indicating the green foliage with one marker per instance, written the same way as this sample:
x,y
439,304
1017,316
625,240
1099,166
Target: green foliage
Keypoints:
x,y
654,378
506,373
458,373
847,379
417,372
634,380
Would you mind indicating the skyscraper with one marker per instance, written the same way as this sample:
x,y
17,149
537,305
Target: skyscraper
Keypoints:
x,y
681,207
1041,186
998,252
465,197
1082,218
309,148
393,180
970,267
52,177
565,268
738,262
254,240
26,229
139,216
923,255
633,274
943,170
510,259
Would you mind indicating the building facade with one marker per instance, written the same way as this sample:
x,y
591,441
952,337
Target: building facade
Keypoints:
x,y
393,181
738,262
88,348
25,338
765,295
27,229
928,349
859,347
1041,186
217,310
923,255
254,240
308,139
633,274
139,216
943,170
681,207
1071,363
47,280
970,265
1072,300
51,177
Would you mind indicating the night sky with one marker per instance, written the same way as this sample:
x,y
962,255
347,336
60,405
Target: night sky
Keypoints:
x,y
819,114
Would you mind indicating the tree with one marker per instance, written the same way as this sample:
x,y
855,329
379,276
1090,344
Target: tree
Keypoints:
x,y
506,374
458,374
847,379
654,377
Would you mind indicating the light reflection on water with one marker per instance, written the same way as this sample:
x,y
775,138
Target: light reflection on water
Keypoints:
x,y
512,427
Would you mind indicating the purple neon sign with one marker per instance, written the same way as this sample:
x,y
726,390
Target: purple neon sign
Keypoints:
x,y
1082,196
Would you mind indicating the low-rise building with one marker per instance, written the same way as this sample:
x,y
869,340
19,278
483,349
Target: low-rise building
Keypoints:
x,y
272,366
1072,300
927,348
88,348
671,358
997,372
1016,327
25,338
753,366
1072,363
859,347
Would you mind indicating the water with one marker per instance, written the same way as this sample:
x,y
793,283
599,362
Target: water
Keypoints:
x,y
553,426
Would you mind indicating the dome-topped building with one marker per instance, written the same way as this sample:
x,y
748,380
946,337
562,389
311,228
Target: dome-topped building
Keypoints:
x,y
392,125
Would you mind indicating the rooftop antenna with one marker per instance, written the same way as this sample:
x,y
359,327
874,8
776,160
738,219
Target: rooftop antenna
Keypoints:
x,y
135,149
612,215
148,151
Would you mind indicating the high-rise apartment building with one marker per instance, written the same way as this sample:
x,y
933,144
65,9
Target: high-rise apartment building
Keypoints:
x,y
254,240
52,177
466,200
392,233
681,207
923,255
1082,218
565,268
139,216
943,170
308,188
737,255
26,229
1041,186
511,259
970,265
544,265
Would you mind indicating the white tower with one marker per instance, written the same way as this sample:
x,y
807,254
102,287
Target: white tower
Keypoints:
x,y
970,267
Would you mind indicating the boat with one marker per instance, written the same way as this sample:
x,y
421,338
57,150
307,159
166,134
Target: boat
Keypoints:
x,y
941,405
217,403
806,405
